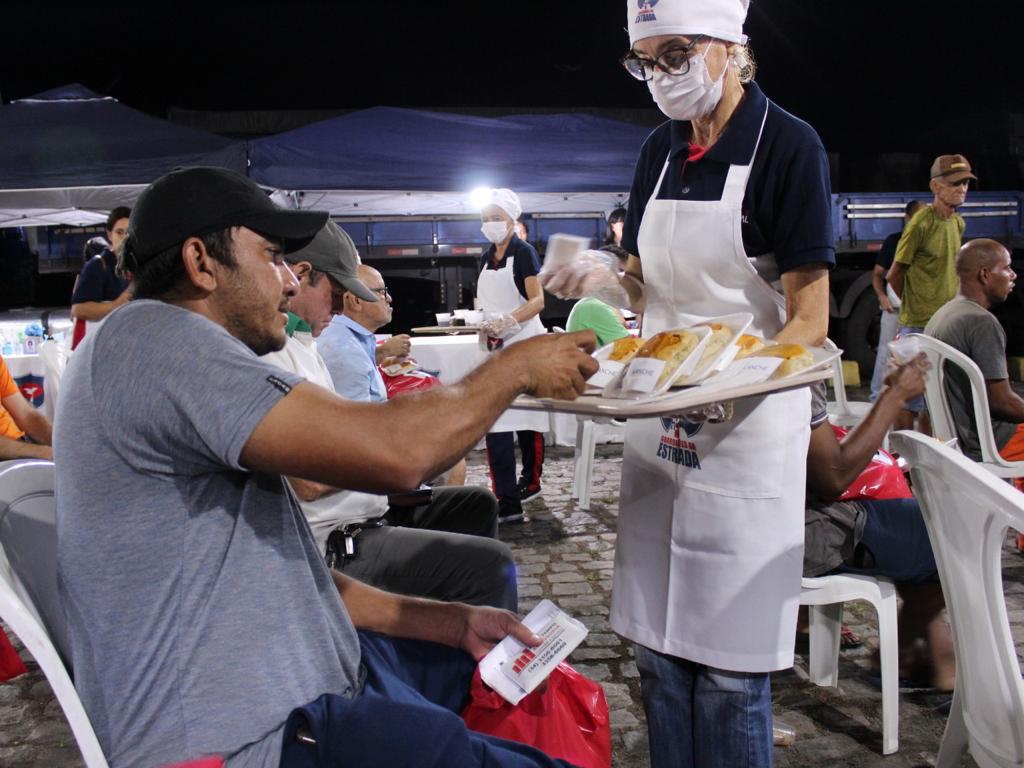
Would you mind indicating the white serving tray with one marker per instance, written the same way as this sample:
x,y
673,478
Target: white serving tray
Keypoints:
x,y
678,401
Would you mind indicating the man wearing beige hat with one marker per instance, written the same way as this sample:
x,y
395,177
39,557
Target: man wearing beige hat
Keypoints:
x,y
923,273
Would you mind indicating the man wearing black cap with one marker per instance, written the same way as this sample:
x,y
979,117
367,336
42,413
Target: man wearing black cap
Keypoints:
x,y
200,613
923,273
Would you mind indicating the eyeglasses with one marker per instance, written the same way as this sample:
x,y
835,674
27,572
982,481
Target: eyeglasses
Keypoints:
x,y
382,291
674,62
961,183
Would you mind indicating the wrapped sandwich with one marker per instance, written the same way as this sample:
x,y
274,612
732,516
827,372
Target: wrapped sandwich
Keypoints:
x,y
795,358
718,341
612,358
748,345
658,361
623,349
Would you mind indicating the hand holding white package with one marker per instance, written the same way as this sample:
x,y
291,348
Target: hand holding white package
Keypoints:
x,y
514,670
905,348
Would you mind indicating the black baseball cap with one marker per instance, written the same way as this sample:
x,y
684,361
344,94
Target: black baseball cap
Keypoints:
x,y
191,202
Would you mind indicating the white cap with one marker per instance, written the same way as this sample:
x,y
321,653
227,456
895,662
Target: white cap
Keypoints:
x,y
721,19
508,201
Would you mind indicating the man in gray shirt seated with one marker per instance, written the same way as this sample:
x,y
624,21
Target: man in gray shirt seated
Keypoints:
x,y
200,612
438,542
965,323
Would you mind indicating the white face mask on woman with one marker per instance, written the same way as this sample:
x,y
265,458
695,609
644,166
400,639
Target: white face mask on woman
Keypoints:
x,y
495,231
689,96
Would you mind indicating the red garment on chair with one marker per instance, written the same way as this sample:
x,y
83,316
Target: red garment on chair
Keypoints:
x,y
11,664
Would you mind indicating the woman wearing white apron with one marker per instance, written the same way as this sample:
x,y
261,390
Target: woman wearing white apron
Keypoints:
x,y
508,292
710,533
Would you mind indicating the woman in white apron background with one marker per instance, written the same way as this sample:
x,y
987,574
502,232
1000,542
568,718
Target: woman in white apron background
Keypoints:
x,y
510,295
728,195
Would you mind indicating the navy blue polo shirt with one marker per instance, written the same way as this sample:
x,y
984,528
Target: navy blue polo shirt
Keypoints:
x,y
98,280
787,206
887,253
526,262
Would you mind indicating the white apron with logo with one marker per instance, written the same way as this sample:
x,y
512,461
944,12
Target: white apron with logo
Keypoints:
x,y
497,292
711,522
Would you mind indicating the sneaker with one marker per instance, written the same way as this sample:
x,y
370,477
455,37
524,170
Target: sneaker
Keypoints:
x,y
526,493
510,511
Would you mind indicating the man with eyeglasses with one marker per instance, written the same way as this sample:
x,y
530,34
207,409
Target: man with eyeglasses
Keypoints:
x,y
437,543
923,273
348,344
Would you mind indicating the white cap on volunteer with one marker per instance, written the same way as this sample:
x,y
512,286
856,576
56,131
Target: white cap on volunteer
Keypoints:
x,y
721,19
508,201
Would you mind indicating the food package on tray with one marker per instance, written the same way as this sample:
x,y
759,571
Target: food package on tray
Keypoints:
x,y
661,358
613,358
758,361
720,349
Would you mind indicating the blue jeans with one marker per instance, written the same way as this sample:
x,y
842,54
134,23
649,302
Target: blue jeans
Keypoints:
x,y
406,715
702,717
897,538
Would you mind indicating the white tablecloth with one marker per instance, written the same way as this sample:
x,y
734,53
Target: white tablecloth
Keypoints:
x,y
452,357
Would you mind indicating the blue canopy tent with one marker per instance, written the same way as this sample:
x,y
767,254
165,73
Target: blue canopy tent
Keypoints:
x,y
389,161
69,155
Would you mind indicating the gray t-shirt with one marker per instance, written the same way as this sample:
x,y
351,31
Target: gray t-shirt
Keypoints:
x,y
973,330
200,611
832,530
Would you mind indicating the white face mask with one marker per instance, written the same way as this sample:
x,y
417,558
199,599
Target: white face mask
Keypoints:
x,y
689,96
495,231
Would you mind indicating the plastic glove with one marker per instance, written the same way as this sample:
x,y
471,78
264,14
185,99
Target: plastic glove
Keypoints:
x,y
591,273
500,327
715,413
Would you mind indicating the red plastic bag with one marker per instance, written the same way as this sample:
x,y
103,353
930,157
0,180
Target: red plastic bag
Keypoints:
x,y
11,664
413,381
568,720
881,479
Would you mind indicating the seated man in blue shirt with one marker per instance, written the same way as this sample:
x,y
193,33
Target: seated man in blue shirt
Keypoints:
x,y
348,344
349,347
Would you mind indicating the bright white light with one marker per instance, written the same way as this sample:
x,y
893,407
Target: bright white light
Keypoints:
x,y
479,197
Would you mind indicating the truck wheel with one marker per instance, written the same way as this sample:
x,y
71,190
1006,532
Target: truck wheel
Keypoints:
x,y
860,336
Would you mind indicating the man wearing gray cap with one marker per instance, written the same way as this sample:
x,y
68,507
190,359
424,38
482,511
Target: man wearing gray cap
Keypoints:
x,y
439,542
923,273
200,612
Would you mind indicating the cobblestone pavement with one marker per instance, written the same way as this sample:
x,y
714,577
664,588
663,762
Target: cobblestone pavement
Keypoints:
x,y
566,554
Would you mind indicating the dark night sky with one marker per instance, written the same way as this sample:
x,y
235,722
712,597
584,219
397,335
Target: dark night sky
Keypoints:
x,y
871,75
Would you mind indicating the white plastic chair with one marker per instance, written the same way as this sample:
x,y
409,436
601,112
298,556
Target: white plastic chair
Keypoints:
x,y
28,587
842,412
583,457
943,427
968,511
825,595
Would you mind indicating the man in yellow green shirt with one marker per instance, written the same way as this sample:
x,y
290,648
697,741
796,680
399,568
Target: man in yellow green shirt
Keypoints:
x,y
923,273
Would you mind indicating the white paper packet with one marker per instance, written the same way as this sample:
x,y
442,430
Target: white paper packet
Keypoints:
x,y
513,670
